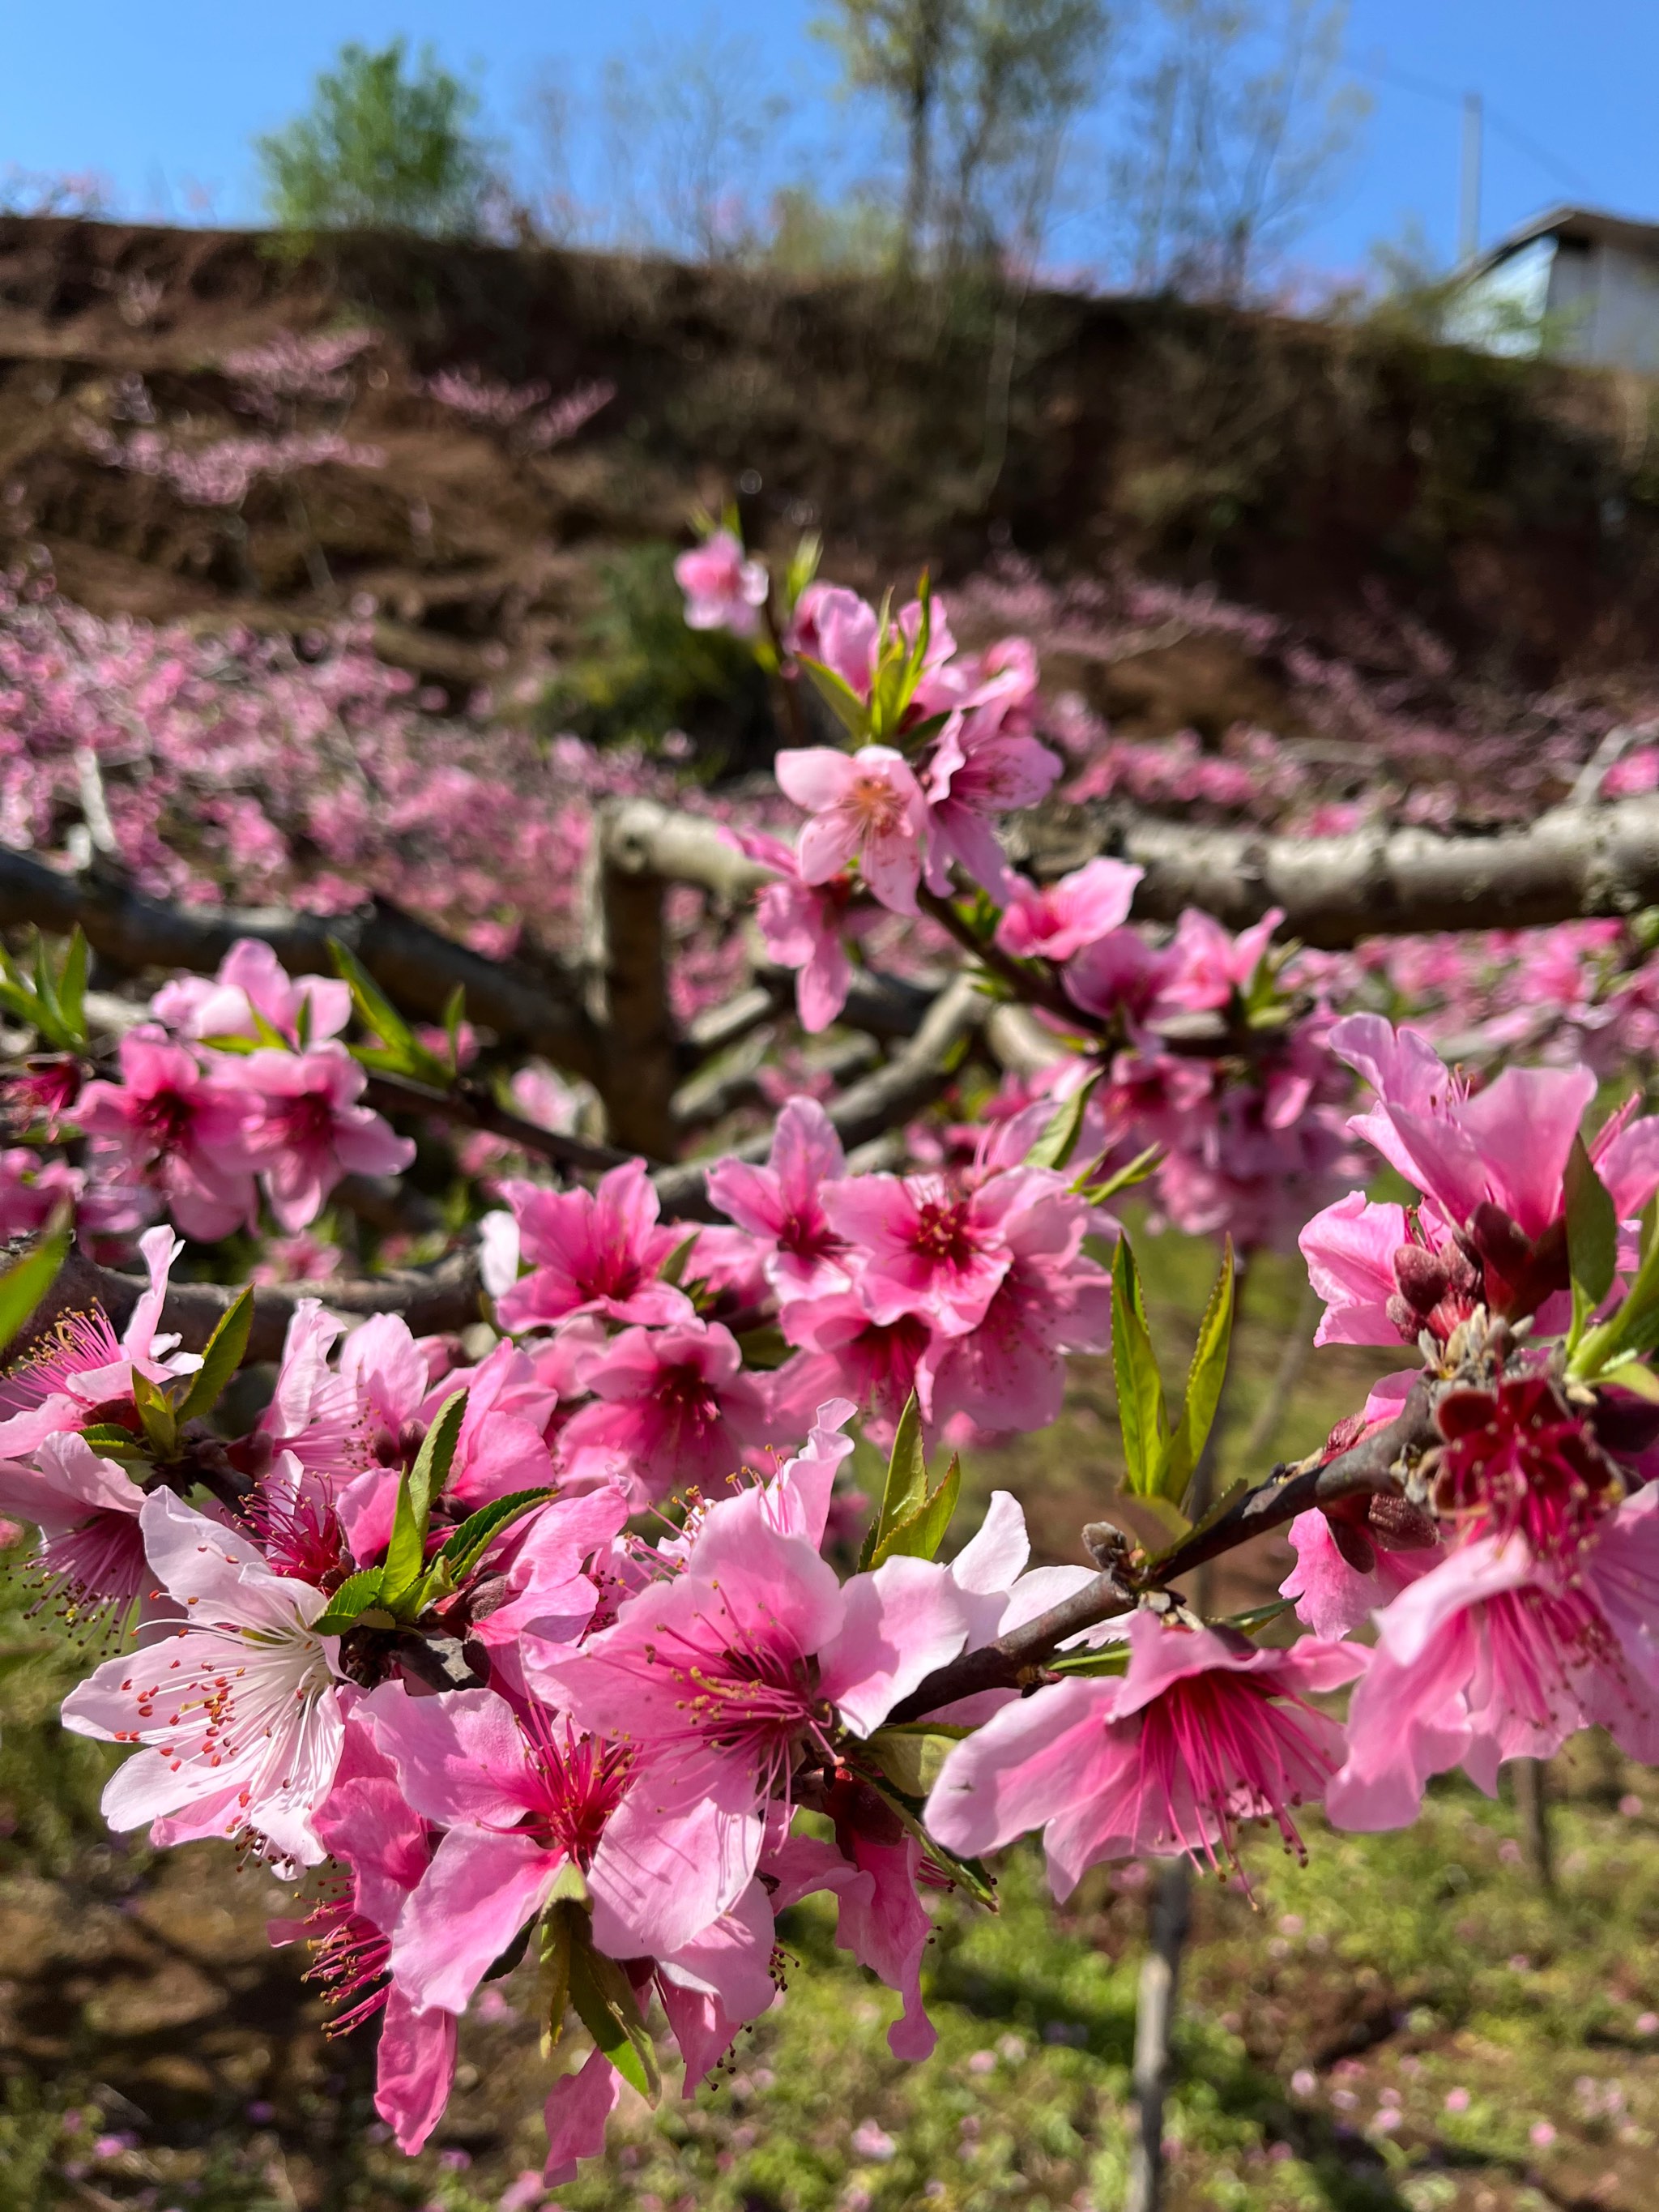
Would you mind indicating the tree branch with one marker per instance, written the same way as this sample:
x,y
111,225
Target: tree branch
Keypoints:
x,y
471,1107
432,1300
1015,1658
417,966
910,1081
1574,861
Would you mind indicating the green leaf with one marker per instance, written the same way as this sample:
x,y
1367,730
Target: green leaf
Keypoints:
x,y
405,1553
1632,1376
967,1874
46,991
226,1349
406,1556
473,1537
454,1015
354,1597
1124,1178
673,1267
1204,1379
911,1756
553,1957
1633,1326
72,986
906,1490
1064,1127
1139,1388
1592,1237
154,1411
918,1534
437,1456
604,1999
376,1012
838,695
28,1280
111,1441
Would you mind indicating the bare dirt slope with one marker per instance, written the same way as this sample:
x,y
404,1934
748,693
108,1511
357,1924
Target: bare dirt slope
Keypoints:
x,y
1514,509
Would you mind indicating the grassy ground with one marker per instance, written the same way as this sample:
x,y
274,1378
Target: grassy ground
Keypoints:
x,y
1407,2025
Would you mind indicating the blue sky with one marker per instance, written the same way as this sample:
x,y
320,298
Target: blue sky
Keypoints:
x,y
164,101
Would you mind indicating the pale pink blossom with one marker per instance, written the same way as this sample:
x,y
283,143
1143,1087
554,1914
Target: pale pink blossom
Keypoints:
x,y
185,1132
724,589
84,1372
237,1712
252,981
783,1201
839,629
715,1679
90,1560
309,1130
980,770
864,806
519,1798
805,926
1332,1594
672,1407
1538,1621
934,1246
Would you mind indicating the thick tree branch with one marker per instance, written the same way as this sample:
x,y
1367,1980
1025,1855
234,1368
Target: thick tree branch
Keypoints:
x,y
432,1300
627,959
417,966
1573,861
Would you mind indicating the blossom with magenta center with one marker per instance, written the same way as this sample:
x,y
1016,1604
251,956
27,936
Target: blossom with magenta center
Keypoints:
x,y
598,1252
1204,1732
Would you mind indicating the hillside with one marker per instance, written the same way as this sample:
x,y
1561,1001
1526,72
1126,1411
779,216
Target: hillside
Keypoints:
x,y
1311,472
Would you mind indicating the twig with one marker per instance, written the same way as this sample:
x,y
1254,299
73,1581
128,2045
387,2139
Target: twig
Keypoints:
x,y
472,1107
910,1081
1018,1657
1531,1802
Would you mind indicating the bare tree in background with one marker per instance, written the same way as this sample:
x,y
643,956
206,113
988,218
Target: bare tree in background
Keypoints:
x,y
1235,135
900,50
673,135
984,91
1024,70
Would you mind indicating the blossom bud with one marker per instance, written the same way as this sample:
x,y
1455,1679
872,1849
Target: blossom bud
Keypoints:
x,y
1423,1276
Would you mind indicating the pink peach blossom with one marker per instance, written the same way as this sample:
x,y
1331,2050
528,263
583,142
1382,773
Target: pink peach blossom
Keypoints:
x,y
1058,919
864,806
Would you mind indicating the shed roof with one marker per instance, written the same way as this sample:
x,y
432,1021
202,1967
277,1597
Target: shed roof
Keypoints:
x,y
1590,226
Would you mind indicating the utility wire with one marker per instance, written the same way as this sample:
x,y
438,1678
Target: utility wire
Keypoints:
x,y
1499,122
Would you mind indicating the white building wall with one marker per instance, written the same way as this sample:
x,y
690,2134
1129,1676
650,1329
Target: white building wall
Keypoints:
x,y
1623,326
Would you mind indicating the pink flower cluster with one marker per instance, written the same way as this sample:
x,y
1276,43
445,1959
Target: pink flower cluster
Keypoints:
x,y
238,1084
966,1286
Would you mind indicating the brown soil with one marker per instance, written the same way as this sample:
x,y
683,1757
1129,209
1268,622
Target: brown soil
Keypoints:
x,y
1514,508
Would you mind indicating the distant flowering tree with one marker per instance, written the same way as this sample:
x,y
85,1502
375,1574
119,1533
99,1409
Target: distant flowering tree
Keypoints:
x,y
403,1624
